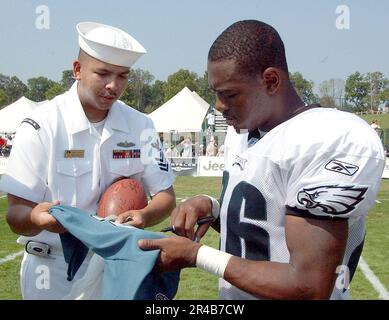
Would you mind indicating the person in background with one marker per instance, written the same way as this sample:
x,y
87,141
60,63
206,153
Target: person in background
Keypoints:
x,y
374,124
211,150
187,148
211,118
3,142
220,152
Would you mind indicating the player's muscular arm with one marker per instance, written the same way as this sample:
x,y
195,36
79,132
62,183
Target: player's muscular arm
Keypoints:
x,y
316,249
29,218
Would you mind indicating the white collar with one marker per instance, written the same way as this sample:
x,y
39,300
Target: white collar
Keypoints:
x,y
79,122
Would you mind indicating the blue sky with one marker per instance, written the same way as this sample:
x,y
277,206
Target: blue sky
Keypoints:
x,y
178,33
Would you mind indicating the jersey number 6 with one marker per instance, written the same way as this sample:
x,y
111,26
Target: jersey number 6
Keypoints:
x,y
246,209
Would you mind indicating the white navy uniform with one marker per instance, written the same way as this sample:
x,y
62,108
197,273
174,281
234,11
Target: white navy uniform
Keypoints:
x,y
59,154
322,163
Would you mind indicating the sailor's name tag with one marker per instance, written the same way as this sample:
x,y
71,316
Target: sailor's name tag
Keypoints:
x,y
74,153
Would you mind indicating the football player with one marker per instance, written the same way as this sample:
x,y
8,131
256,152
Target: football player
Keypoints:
x,y
298,183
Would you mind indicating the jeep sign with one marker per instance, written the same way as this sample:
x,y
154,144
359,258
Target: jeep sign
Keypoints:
x,y
210,166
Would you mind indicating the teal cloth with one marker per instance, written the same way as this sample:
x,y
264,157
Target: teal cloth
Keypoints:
x,y
128,270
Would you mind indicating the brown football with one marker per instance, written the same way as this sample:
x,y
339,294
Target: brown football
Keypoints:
x,y
123,195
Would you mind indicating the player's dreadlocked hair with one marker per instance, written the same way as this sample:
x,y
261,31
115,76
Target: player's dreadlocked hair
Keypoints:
x,y
254,45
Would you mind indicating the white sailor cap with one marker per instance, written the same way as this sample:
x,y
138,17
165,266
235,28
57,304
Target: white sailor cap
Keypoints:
x,y
109,44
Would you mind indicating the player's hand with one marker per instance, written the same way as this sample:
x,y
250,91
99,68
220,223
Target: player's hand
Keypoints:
x,y
134,218
175,252
184,217
41,217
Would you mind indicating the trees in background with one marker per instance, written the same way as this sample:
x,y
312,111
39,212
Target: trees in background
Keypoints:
x,y
378,85
331,93
157,96
204,91
37,88
67,79
137,93
3,98
357,90
177,81
14,89
54,91
384,96
303,87
367,91
62,86
360,92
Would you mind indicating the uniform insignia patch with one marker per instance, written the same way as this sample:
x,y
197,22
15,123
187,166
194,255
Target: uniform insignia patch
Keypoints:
x,y
126,154
32,122
162,162
126,144
332,199
74,153
342,167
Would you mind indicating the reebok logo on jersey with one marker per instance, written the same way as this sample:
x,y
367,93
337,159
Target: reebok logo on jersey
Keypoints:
x,y
332,199
240,162
342,167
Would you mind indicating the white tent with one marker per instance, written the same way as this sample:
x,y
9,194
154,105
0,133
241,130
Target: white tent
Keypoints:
x,y
185,112
12,115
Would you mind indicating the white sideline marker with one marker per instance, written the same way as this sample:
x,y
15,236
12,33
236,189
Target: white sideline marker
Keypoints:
x,y
11,257
375,282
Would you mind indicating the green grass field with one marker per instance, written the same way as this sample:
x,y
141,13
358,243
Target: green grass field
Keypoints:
x,y
383,119
198,285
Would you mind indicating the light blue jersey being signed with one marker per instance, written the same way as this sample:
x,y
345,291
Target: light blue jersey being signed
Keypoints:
x,y
127,269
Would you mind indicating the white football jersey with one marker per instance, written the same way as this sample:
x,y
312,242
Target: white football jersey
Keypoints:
x,y
322,163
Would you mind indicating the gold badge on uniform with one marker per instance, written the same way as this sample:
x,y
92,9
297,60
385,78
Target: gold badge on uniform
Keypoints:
x,y
74,153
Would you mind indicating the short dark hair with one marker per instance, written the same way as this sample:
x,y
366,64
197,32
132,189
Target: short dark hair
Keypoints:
x,y
254,45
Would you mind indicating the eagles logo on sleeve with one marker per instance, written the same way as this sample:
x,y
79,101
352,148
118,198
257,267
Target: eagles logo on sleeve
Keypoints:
x,y
331,199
